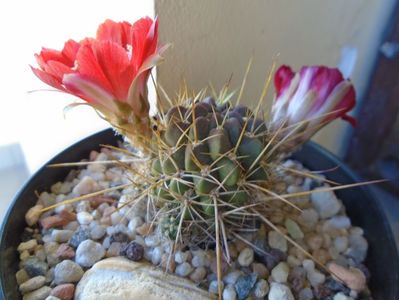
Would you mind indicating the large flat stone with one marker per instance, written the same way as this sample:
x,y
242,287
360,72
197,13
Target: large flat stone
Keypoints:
x,y
122,279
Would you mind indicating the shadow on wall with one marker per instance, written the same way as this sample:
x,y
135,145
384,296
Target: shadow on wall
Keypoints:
x,y
214,39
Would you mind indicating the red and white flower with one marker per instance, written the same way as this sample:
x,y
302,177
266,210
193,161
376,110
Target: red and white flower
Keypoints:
x,y
311,98
110,72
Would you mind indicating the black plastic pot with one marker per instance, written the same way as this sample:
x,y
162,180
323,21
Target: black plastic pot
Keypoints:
x,y
362,207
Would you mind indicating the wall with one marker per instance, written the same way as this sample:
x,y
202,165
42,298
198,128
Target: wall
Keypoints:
x,y
214,39
36,120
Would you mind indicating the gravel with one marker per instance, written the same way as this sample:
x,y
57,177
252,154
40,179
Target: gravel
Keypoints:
x,y
75,236
67,271
88,253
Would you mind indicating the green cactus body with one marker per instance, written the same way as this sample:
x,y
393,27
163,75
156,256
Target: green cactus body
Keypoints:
x,y
210,153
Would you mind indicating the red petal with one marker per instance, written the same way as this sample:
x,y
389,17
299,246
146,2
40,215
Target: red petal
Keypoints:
x,y
350,119
89,91
89,67
348,103
57,69
282,79
51,54
48,79
114,62
70,50
323,82
145,39
116,32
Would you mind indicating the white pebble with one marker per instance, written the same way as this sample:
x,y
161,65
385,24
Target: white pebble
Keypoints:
x,y
152,240
62,207
85,186
96,214
280,291
156,255
97,232
229,293
134,223
339,222
61,236
184,269
358,247
305,294
341,243
277,241
308,265
88,253
181,257
261,288
232,277
309,217
280,272
293,229
114,249
341,296
213,287
326,203
315,277
356,231
293,261
246,257
52,298
198,275
47,199
116,218
67,271
199,259
84,218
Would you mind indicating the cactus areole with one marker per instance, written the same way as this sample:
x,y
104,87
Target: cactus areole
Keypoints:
x,y
209,164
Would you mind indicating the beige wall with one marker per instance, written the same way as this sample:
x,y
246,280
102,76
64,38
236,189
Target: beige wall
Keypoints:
x,y
213,39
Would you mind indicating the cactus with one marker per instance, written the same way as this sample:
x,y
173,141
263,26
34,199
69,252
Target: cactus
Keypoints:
x,y
208,154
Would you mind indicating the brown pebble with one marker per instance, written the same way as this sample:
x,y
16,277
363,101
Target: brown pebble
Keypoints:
x,y
167,264
32,284
107,151
97,201
67,215
33,214
64,291
105,221
223,266
240,245
65,251
314,241
144,229
352,277
41,293
53,221
321,256
260,269
93,155
109,211
21,276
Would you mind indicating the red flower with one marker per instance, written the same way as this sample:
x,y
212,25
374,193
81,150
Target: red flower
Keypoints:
x,y
315,96
110,72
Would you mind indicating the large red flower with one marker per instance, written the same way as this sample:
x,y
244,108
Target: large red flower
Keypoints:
x,y
311,98
108,70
